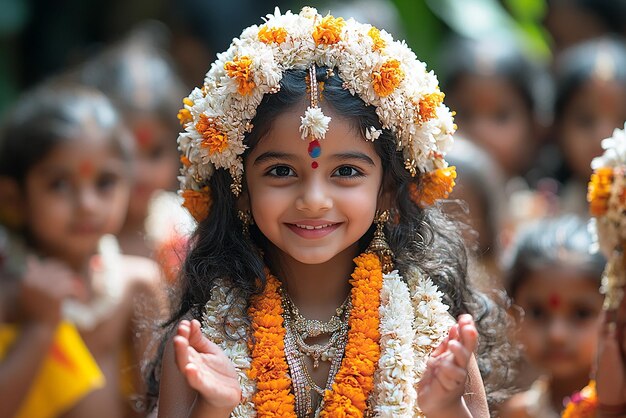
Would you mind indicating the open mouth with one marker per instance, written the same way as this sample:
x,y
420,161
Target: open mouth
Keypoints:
x,y
313,229
310,227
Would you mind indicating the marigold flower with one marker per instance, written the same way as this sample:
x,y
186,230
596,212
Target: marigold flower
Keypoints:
x,y
379,43
240,69
428,105
387,78
328,31
269,35
197,202
212,137
184,116
599,191
435,185
185,161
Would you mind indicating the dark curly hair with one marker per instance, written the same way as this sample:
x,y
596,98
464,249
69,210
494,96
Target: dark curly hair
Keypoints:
x,y
421,237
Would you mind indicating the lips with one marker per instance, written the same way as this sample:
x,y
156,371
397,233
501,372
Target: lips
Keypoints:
x,y
313,229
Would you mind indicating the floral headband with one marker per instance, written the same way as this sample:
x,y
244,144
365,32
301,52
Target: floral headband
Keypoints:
x,y
607,204
384,73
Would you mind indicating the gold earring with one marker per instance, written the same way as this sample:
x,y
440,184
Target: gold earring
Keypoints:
x,y
246,220
379,245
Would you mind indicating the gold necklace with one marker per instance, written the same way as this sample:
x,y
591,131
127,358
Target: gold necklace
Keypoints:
x,y
296,349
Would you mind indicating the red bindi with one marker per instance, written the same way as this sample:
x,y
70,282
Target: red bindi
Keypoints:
x,y
143,135
86,168
554,301
314,165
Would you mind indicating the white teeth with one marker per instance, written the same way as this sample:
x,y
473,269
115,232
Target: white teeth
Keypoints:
x,y
312,227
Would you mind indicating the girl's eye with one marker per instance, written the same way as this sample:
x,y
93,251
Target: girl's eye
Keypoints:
x,y
107,181
281,171
60,185
347,171
535,313
582,314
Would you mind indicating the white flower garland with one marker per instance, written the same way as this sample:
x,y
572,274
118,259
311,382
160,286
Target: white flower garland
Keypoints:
x,y
432,322
222,309
413,321
394,394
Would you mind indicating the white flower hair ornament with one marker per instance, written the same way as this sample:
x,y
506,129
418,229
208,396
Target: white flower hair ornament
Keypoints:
x,y
384,73
607,204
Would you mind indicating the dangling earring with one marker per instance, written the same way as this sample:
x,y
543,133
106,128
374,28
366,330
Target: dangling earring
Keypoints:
x,y
379,245
246,220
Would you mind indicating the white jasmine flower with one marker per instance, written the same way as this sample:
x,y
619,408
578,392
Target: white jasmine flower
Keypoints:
x,y
314,123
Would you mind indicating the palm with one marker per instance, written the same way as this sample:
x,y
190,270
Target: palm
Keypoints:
x,y
206,367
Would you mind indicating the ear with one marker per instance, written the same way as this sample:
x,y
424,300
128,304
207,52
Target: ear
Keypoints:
x,y
11,203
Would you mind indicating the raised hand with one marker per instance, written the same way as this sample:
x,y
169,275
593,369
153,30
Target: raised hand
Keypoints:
x,y
443,384
611,367
44,286
206,368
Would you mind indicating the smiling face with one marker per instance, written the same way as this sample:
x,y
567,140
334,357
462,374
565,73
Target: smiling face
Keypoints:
x,y
76,194
560,326
313,209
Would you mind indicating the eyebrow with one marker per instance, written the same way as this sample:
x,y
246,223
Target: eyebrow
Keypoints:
x,y
273,155
354,156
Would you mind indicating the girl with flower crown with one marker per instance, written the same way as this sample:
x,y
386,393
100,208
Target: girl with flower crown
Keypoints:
x,y
322,279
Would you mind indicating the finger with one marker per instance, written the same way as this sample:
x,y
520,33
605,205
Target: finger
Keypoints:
x,y
181,352
461,354
441,348
184,329
469,336
198,340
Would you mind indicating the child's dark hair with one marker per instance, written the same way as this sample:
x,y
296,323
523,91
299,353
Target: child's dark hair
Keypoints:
x,y
422,238
604,57
47,116
464,56
551,242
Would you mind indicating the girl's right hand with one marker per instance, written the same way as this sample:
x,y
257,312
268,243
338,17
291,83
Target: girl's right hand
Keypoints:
x,y
44,286
206,368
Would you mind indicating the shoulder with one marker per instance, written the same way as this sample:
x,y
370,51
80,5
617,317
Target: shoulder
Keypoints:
x,y
515,407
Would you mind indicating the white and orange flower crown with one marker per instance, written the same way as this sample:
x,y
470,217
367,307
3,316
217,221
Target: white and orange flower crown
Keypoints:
x,y
384,73
607,204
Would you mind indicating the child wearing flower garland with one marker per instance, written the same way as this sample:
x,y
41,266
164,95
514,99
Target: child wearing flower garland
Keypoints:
x,y
323,280
71,301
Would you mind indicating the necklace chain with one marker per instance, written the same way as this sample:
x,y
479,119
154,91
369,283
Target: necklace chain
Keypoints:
x,y
298,329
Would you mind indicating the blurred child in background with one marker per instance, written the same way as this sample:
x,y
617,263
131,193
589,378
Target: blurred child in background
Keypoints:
x,y
491,86
554,279
590,103
76,302
139,78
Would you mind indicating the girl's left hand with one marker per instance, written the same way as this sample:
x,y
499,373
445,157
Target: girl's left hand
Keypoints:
x,y
440,391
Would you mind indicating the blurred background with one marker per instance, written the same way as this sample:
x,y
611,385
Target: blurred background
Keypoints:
x,y
536,85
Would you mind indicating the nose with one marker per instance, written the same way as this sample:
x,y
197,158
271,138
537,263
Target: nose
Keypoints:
x,y
314,196
558,330
87,199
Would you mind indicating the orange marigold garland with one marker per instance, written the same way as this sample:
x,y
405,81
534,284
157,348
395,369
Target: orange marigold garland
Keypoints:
x,y
197,202
435,185
582,404
355,380
240,70
269,366
269,35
